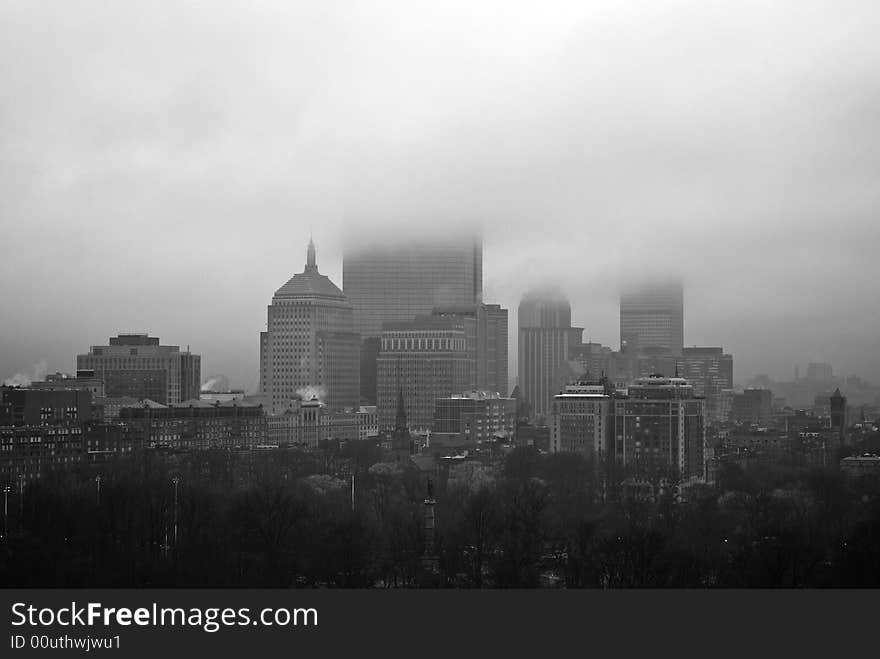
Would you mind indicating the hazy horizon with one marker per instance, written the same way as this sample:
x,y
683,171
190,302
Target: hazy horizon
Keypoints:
x,y
164,165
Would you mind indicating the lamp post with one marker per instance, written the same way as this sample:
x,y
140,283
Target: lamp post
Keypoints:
x,y
176,481
98,488
6,490
21,480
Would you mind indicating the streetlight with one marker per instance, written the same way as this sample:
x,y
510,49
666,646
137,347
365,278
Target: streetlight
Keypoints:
x,y
98,488
21,479
6,491
176,481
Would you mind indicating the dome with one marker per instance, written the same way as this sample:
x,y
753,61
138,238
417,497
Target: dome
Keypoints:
x,y
309,282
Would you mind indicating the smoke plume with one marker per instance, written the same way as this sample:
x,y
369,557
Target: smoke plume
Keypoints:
x,y
38,372
310,392
216,383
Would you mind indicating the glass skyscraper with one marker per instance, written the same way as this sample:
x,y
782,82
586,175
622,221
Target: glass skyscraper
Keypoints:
x,y
546,342
652,316
407,278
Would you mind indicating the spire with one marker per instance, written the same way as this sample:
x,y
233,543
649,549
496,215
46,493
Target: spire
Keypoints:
x,y
310,256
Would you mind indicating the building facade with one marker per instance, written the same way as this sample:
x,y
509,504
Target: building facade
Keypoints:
x,y
402,278
652,316
310,348
197,425
424,359
710,371
546,346
660,429
368,421
476,416
754,405
85,379
25,406
137,365
582,420
399,280
492,349
487,341
307,423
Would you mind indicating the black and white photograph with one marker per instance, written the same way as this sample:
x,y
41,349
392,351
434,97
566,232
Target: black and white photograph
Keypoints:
x,y
390,295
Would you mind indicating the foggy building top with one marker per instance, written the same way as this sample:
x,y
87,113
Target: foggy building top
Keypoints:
x,y
652,316
401,280
546,345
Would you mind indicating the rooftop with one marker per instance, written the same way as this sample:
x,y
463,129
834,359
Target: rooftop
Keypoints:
x,y
309,282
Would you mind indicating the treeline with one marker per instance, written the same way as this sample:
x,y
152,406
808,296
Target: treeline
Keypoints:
x,y
286,519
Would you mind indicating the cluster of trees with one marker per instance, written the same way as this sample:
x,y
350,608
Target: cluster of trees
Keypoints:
x,y
291,519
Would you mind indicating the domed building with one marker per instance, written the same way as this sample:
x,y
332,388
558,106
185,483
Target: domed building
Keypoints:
x,y
310,349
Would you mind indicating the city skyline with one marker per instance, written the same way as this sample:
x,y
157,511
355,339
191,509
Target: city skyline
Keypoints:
x,y
586,159
748,365
506,295
239,373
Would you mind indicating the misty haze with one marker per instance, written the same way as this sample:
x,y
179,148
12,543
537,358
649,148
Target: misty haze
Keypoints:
x,y
163,157
404,265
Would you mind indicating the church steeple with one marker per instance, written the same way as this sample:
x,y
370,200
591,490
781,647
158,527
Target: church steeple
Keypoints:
x,y
400,424
310,256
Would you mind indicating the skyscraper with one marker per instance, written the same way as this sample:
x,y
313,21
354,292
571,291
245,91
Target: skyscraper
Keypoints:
x,y
136,365
487,340
401,280
710,371
546,342
492,348
652,316
310,348
405,277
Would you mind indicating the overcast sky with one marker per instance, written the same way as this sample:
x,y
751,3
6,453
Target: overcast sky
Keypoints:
x,y
162,163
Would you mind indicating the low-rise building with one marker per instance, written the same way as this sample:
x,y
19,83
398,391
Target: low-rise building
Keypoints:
x,y
476,416
196,424
581,418
368,421
859,467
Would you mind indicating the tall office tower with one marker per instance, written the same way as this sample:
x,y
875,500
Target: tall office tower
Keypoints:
x,y
710,371
397,281
660,429
404,277
546,345
652,316
581,420
492,346
422,359
486,329
136,365
310,348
